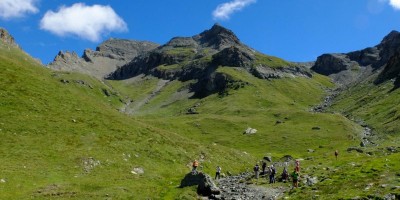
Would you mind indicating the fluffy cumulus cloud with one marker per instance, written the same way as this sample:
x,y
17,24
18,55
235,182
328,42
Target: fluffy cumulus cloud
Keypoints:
x,y
225,10
87,22
17,8
395,4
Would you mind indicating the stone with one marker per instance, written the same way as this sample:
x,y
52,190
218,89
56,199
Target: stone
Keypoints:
x,y
392,149
316,128
268,158
310,181
137,170
355,149
250,131
310,150
192,111
389,197
207,187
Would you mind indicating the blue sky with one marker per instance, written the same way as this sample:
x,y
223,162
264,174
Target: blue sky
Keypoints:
x,y
296,30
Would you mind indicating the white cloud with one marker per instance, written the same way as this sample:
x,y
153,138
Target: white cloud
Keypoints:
x,y
395,4
87,22
225,10
17,8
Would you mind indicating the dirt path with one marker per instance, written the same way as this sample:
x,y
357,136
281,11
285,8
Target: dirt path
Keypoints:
x,y
236,187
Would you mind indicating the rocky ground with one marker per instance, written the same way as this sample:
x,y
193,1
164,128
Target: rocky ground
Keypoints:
x,y
236,187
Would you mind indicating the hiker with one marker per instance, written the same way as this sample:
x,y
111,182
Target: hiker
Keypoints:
x,y
272,172
218,172
195,165
256,169
295,176
336,154
285,175
297,166
264,165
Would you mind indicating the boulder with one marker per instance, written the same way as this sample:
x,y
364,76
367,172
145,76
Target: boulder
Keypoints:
x,y
205,185
316,128
268,158
359,150
250,131
310,181
137,170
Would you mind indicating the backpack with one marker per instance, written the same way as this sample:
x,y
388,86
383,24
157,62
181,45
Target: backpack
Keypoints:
x,y
256,168
273,171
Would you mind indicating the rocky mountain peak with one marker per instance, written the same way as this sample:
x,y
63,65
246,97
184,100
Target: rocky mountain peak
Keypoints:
x,y
6,38
391,37
107,57
217,37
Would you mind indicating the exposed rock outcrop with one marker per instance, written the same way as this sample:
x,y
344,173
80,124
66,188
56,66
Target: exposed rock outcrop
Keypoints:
x,y
6,38
105,59
391,71
353,67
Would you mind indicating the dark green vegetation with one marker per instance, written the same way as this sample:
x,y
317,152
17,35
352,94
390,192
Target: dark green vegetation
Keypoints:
x,y
70,136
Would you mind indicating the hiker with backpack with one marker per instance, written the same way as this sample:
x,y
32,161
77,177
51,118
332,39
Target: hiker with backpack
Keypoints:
x,y
297,166
264,165
272,172
285,175
218,173
256,170
295,176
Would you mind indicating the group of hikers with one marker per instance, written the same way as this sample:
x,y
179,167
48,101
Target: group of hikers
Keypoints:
x,y
267,170
271,172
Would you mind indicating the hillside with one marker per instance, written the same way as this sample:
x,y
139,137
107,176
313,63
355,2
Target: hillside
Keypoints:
x,y
63,137
133,136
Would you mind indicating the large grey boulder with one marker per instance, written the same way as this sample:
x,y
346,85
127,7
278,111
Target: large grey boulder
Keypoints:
x,y
205,185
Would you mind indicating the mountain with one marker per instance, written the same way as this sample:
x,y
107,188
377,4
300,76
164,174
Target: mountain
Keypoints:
x,y
134,136
105,59
199,57
353,67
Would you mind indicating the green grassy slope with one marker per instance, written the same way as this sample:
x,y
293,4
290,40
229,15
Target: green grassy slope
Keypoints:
x,y
280,111
61,136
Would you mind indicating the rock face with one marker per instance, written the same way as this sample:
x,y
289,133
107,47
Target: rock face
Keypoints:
x,y
205,185
198,58
106,58
350,68
391,71
6,38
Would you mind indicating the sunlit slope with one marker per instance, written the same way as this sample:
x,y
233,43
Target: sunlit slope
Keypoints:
x,y
378,105
280,111
63,136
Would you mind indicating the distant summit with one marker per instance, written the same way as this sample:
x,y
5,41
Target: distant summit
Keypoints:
x,y
353,67
218,37
105,59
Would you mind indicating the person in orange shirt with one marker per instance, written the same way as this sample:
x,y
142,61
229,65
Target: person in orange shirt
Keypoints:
x,y
195,165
